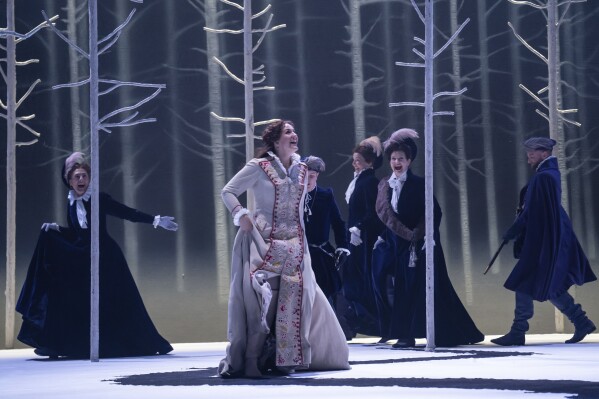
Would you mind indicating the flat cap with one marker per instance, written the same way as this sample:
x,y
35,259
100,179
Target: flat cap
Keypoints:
x,y
539,143
314,163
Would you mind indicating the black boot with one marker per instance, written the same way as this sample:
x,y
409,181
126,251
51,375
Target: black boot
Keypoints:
x,y
510,339
581,332
405,343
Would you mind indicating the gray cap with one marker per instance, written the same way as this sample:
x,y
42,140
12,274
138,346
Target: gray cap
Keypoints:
x,y
314,163
539,143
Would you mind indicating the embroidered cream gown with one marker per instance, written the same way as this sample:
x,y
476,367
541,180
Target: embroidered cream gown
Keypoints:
x,y
273,288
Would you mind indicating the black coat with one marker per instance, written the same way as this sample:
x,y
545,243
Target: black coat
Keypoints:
x,y
357,272
405,315
323,214
55,298
551,259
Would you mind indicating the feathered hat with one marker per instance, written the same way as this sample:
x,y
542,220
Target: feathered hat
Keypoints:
x,y
404,136
373,145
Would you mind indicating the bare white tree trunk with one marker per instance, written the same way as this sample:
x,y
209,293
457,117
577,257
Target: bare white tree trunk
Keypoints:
x,y
462,182
58,190
428,174
357,70
302,75
72,22
555,130
588,203
221,217
128,149
94,351
11,177
489,153
177,160
518,102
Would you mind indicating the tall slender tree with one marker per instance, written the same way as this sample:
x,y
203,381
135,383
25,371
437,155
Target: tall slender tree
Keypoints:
x,y
427,62
13,120
76,14
249,83
121,117
549,96
552,93
487,127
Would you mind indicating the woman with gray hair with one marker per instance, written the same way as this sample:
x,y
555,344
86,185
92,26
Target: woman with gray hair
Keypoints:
x,y
55,298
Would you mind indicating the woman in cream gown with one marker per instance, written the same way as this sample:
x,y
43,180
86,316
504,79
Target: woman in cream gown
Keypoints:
x,y
278,317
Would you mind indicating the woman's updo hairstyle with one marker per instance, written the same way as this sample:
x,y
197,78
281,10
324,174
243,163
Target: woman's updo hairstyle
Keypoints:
x,y
371,150
74,161
272,133
402,140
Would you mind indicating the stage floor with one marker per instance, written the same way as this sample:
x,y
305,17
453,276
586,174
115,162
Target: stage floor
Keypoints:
x,y
544,368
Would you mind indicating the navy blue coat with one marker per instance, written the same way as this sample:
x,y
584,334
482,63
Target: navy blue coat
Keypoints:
x,y
405,315
551,259
322,215
55,298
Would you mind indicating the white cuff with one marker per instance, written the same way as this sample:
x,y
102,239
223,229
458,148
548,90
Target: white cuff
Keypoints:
x,y
156,221
345,250
355,230
238,215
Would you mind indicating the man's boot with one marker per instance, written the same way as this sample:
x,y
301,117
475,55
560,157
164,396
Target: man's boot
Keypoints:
x,y
573,311
582,331
513,338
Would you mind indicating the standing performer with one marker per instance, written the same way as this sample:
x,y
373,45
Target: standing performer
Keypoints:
x,y
363,228
550,259
278,316
55,298
321,214
399,259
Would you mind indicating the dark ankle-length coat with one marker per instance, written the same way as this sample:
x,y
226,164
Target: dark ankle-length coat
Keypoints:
x,y
55,298
401,305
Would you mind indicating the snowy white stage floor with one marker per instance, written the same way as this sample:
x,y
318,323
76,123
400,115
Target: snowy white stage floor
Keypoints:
x,y
544,368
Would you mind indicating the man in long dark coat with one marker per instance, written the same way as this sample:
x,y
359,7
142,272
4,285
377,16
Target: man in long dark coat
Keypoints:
x,y
551,259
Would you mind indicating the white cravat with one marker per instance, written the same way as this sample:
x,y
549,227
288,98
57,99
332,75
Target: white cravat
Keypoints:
x,y
81,212
352,186
396,183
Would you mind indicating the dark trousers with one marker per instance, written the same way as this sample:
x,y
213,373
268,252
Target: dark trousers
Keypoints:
x,y
565,303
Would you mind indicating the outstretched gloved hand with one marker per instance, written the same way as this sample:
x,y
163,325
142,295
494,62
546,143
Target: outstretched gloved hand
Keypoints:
x,y
166,222
50,226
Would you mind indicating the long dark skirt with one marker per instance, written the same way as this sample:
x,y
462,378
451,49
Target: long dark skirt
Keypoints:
x,y
55,302
400,293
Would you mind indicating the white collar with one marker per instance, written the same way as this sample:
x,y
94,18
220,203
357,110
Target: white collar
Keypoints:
x,y
85,197
295,158
352,185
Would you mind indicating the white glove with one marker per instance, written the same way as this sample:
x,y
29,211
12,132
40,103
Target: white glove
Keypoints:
x,y
345,251
166,222
379,241
50,226
355,239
